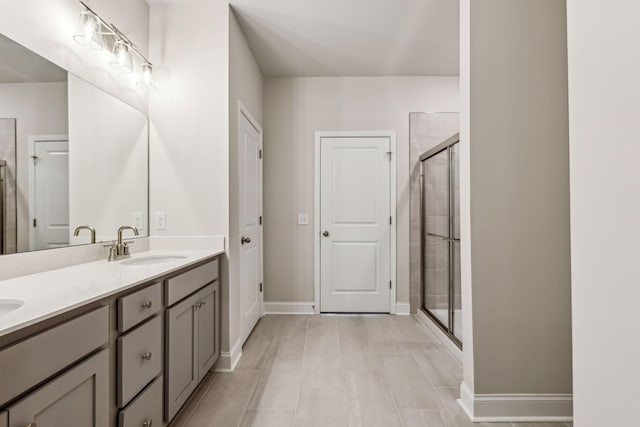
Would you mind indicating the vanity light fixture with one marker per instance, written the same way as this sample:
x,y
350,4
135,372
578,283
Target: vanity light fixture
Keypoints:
x,y
92,31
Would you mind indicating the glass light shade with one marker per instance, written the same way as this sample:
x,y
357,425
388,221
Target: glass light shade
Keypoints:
x,y
88,32
146,78
122,60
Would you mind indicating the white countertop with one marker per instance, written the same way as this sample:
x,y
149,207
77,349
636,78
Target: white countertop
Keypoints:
x,y
53,292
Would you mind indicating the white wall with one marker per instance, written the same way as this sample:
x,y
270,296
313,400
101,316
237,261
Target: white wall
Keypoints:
x,y
604,90
108,162
245,85
515,209
47,28
39,109
189,127
295,108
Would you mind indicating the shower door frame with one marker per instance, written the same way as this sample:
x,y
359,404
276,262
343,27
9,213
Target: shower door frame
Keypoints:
x,y
446,145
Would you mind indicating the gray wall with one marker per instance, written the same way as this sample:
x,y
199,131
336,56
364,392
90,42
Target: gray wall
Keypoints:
x,y
519,153
245,85
295,108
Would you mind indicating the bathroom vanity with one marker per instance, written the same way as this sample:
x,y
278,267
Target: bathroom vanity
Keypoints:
x,y
108,344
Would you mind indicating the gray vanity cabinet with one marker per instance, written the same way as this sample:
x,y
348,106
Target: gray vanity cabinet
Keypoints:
x,y
192,345
79,397
4,420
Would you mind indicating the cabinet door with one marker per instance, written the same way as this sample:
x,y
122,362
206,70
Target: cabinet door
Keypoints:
x,y
208,338
181,355
78,398
4,422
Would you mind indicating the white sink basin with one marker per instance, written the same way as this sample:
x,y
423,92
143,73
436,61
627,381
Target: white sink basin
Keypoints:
x,y
9,305
152,259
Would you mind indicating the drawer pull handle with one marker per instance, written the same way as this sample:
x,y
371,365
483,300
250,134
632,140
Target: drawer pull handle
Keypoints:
x,y
32,425
200,303
146,356
147,423
147,304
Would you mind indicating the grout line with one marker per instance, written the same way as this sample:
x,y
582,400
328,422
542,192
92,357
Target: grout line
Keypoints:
x,y
304,352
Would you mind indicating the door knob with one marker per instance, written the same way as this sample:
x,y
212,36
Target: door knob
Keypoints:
x,y
325,233
244,240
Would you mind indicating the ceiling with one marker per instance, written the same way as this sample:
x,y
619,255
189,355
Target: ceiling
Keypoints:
x,y
351,37
20,65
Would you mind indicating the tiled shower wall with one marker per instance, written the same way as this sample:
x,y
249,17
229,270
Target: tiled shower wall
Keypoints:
x,y
8,153
426,130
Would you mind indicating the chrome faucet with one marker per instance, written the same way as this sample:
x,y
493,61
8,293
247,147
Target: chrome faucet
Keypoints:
x,y
120,250
86,227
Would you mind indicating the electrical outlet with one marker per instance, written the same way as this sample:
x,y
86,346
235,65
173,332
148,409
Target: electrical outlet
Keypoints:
x,y
160,220
138,220
303,219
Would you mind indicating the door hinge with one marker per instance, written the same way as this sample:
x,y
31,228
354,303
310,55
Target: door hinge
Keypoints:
x,y
260,153
389,154
390,220
34,222
260,286
390,286
260,219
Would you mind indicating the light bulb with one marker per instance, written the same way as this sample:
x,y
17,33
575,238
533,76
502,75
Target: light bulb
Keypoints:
x,y
147,76
87,32
122,57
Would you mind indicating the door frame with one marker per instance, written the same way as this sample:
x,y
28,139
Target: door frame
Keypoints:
x,y
244,111
32,139
391,135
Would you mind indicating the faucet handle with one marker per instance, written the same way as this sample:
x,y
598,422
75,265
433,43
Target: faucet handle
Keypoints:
x,y
113,252
125,248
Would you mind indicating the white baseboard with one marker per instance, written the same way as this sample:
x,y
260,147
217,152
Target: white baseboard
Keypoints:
x,y
288,308
520,408
403,309
229,359
444,339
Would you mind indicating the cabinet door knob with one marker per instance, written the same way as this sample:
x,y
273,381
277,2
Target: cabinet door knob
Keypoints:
x,y
147,304
32,425
325,233
147,423
146,356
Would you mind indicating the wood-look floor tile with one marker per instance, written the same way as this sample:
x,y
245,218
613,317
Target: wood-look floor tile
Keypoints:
x,y
267,418
427,418
410,387
436,365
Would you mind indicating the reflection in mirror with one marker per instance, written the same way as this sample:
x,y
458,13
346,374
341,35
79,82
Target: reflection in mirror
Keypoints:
x,y
71,155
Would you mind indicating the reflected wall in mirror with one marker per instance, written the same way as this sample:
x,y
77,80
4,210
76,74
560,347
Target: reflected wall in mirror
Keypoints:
x,y
70,155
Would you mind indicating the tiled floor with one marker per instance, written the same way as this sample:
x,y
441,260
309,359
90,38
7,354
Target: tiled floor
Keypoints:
x,y
336,371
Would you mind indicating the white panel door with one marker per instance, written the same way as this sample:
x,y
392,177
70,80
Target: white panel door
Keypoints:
x,y
51,219
355,224
250,210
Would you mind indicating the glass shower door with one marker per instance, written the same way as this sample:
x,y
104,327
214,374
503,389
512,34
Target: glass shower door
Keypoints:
x,y
441,284
436,235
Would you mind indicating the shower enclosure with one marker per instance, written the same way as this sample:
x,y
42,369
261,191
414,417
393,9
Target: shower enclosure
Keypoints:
x,y
440,234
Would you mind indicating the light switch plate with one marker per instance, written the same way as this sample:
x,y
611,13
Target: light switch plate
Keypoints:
x,y
303,219
160,220
138,220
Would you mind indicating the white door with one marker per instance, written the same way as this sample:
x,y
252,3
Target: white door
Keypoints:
x,y
355,214
250,211
50,221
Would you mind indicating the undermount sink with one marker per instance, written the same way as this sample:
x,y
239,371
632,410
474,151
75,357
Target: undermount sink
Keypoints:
x,y
152,259
9,305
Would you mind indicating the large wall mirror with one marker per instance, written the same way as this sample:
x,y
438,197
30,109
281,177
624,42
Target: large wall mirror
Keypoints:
x,y
71,155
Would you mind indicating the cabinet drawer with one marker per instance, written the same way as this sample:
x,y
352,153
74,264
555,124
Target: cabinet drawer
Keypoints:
x,y
138,306
146,409
139,359
187,283
35,359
